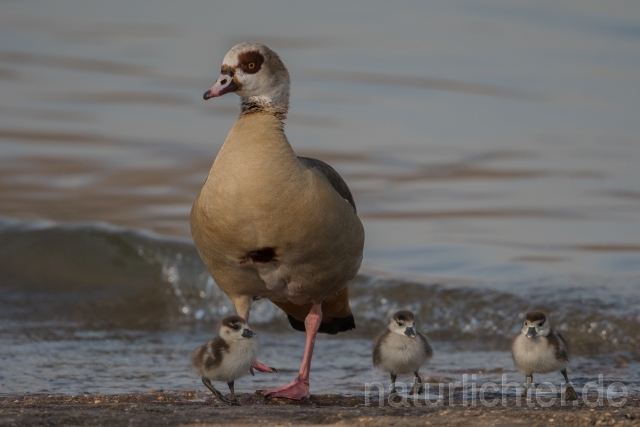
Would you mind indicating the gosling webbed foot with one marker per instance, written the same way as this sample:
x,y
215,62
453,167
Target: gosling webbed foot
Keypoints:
x,y
570,393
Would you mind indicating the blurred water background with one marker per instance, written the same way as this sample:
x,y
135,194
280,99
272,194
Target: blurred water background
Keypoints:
x,y
492,148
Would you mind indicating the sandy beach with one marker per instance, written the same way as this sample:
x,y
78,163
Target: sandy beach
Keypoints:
x,y
162,408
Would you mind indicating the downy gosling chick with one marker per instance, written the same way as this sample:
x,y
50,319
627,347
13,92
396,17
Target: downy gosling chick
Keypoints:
x,y
401,349
227,357
539,349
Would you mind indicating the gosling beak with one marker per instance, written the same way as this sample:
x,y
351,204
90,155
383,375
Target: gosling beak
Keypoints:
x,y
248,333
531,332
224,84
410,332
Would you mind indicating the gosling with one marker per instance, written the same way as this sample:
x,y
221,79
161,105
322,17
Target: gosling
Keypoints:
x,y
539,349
227,357
402,350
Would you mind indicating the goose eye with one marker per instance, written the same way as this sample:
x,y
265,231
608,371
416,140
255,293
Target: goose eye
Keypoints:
x,y
251,65
236,327
400,323
540,324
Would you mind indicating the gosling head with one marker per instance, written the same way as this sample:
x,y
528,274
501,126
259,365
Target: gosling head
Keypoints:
x,y
235,328
536,325
402,323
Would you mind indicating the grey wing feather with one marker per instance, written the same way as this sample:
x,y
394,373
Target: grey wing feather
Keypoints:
x,y
197,359
208,356
377,348
564,351
425,344
332,176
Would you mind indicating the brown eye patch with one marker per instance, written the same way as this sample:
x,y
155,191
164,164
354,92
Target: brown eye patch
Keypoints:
x,y
250,62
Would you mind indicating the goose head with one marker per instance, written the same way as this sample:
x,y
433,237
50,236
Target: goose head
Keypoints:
x,y
256,74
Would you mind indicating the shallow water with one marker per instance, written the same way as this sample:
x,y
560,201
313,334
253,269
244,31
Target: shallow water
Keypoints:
x,y
492,149
117,361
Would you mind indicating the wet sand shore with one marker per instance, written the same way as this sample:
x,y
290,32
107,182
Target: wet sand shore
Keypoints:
x,y
161,408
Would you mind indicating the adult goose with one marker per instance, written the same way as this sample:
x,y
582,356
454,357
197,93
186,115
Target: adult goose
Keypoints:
x,y
269,224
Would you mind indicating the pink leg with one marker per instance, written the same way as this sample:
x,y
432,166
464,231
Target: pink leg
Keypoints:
x,y
298,389
257,365
261,368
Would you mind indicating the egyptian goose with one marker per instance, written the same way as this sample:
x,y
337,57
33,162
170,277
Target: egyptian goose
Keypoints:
x,y
227,357
401,349
269,224
540,349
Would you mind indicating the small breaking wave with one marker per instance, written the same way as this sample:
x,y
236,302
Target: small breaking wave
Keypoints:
x,y
105,276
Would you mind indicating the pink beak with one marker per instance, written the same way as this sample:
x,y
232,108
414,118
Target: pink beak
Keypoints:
x,y
224,84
